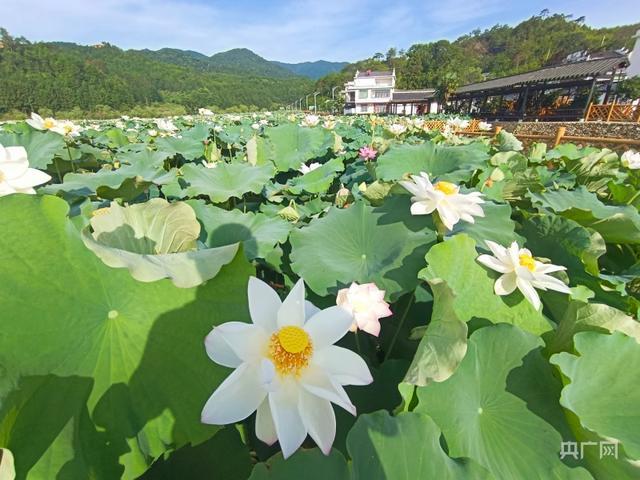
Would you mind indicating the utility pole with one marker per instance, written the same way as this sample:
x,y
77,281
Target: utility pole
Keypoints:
x,y
315,104
306,99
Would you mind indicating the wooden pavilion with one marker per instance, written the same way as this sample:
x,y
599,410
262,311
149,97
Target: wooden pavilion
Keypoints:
x,y
558,92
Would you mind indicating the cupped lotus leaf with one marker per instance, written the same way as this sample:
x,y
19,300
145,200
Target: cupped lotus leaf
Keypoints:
x,y
155,240
259,233
604,360
451,163
444,343
496,225
508,142
454,262
500,408
41,147
309,464
616,224
226,180
384,245
405,447
138,347
289,146
318,180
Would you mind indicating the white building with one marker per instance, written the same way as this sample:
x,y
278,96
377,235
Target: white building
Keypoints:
x,y
376,92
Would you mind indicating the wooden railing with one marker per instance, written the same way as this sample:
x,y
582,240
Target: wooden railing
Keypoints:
x,y
440,124
613,112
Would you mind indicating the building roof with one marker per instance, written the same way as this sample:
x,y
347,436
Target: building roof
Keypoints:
x,y
414,96
568,71
374,73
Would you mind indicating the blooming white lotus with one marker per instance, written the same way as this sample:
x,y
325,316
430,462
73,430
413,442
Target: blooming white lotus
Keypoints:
x,y
520,270
67,128
304,168
631,159
445,197
39,123
286,368
458,123
310,121
15,174
367,306
166,124
484,126
205,112
397,128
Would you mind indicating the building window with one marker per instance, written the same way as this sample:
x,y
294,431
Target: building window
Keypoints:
x,y
380,108
363,94
381,93
364,108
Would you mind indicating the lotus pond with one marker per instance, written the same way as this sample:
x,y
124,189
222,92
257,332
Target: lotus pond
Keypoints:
x,y
276,296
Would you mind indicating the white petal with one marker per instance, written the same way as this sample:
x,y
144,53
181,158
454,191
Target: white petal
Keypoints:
x,y
493,263
548,267
292,310
422,207
505,284
286,418
328,326
319,420
318,382
499,252
547,282
529,292
31,178
343,365
14,164
448,216
264,304
236,398
309,310
411,187
245,340
265,428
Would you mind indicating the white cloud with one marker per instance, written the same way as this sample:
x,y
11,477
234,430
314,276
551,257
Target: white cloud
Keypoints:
x,y
286,30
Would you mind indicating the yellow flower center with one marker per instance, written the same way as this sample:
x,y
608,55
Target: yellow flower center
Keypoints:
x,y
49,123
447,188
527,261
290,349
68,129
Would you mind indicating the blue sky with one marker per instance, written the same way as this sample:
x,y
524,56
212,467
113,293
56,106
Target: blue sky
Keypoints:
x,y
286,30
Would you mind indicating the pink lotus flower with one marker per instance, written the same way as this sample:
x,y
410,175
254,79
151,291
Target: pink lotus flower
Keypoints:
x,y
367,306
368,153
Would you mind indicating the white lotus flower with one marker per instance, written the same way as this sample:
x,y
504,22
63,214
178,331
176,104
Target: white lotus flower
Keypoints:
x,y
15,174
310,121
152,133
67,128
286,368
235,118
120,124
255,126
329,124
520,270
39,123
126,118
484,126
445,197
304,168
166,125
458,123
205,112
397,128
366,304
631,159
206,164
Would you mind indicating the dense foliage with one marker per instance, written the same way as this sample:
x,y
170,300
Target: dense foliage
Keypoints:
x,y
105,306
104,78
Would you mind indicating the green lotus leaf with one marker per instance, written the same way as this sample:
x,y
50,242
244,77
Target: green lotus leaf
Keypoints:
x,y
318,180
496,225
134,350
454,262
452,163
41,147
225,181
259,233
155,240
189,144
405,447
384,245
616,224
508,142
308,464
444,343
290,146
500,408
604,360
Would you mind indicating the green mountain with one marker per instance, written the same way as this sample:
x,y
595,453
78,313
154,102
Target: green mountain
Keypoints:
x,y
62,77
314,70
539,41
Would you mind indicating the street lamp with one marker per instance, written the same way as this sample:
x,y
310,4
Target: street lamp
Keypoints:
x,y
315,104
306,99
333,92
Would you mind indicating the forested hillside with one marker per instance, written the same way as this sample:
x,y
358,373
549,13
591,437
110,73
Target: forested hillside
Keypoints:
x,y
103,79
501,50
